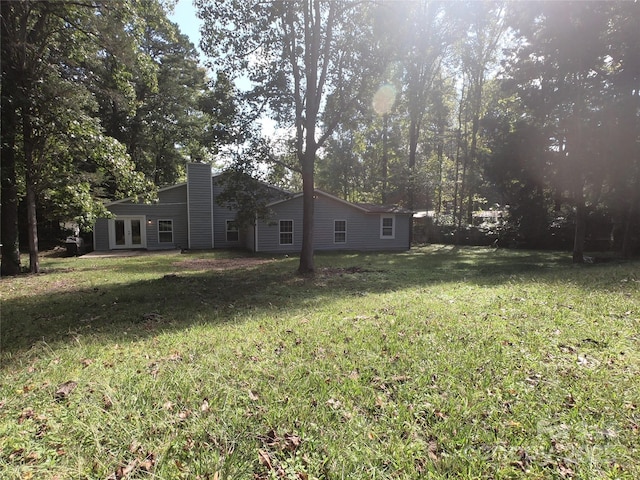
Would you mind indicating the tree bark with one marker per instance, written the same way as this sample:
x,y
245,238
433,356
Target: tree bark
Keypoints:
x,y
10,264
580,228
631,220
9,199
32,222
306,253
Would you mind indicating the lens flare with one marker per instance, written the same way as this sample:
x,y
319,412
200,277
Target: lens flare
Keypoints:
x,y
383,99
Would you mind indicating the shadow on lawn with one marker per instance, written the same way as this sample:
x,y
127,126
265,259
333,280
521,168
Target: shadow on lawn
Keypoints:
x,y
186,297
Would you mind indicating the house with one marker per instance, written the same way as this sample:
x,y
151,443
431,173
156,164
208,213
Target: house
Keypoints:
x,y
188,216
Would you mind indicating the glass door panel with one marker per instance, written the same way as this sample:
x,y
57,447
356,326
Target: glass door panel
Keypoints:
x,y
136,235
120,233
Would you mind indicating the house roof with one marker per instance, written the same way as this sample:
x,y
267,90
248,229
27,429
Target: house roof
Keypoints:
x,y
373,208
364,207
182,184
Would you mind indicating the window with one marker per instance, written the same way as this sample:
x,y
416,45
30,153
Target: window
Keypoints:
x,y
387,226
165,231
339,231
233,235
286,232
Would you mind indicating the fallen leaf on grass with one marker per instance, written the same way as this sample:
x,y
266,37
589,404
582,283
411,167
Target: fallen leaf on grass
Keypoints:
x,y
253,396
26,414
175,357
123,471
433,450
264,459
148,462
107,403
565,471
205,406
291,442
441,415
65,389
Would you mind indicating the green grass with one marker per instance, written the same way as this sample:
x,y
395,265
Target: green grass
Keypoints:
x,y
435,363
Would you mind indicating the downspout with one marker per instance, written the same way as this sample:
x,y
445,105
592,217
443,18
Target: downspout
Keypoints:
x,y
255,235
212,216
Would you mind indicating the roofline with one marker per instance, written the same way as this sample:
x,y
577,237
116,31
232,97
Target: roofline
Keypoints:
x,y
162,189
213,175
340,200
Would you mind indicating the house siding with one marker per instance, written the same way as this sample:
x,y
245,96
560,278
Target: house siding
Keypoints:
x,y
101,235
175,211
200,206
268,230
222,213
199,222
363,229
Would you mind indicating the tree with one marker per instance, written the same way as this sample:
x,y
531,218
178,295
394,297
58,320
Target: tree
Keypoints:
x,y
44,98
299,57
565,75
427,37
9,128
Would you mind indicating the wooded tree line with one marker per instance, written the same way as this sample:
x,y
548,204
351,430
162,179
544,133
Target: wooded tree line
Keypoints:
x,y
529,108
100,100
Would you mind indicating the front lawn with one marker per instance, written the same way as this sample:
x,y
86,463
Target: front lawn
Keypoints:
x,y
441,362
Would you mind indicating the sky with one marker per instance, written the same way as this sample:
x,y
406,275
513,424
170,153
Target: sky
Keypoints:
x,y
185,16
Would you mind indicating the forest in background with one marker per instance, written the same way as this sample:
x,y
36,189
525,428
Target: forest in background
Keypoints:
x,y
526,111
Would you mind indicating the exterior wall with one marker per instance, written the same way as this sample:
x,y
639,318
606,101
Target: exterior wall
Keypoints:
x,y
268,231
174,211
171,205
221,214
363,229
250,238
200,206
101,235
200,223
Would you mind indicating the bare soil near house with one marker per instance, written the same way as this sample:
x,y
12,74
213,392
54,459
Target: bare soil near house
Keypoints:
x,y
220,263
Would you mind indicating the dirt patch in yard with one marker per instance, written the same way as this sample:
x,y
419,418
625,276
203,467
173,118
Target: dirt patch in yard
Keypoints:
x,y
220,263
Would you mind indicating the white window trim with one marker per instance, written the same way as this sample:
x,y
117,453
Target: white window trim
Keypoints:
x,y
393,227
226,234
158,229
280,232
339,231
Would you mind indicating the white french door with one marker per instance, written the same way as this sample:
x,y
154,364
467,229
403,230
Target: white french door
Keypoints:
x,y
127,232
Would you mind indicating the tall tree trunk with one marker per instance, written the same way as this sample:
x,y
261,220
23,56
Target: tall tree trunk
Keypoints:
x,y
306,253
580,228
632,219
414,135
438,206
32,222
385,157
9,189
10,264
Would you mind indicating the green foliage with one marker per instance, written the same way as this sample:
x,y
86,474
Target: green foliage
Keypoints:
x,y
242,192
107,100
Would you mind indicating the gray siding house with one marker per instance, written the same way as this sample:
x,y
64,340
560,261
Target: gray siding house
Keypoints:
x,y
187,215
